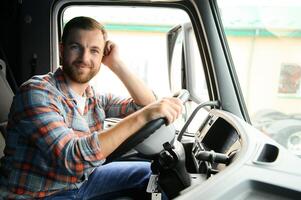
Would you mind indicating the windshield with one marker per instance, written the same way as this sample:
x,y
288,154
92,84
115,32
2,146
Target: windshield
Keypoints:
x,y
264,38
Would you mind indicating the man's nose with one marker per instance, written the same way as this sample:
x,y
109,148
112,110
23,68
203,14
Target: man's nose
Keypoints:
x,y
84,55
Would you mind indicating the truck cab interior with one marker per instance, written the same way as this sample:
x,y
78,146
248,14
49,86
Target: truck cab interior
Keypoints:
x,y
180,48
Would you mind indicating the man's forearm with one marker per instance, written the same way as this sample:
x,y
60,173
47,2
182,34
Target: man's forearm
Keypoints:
x,y
115,136
139,91
169,108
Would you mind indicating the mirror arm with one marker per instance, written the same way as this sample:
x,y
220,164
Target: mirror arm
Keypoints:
x,y
195,111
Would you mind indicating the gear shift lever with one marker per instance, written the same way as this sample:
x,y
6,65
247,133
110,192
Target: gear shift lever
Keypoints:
x,y
171,170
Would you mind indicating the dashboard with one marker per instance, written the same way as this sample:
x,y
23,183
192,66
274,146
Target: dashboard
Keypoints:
x,y
233,160
230,159
216,144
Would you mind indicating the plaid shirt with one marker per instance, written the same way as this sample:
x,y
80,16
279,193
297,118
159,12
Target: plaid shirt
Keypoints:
x,y
50,146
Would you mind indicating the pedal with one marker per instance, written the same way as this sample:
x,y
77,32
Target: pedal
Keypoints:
x,y
152,186
156,196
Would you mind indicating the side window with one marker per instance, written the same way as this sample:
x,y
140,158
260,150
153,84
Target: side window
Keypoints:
x,y
141,38
185,64
197,84
142,34
265,42
176,67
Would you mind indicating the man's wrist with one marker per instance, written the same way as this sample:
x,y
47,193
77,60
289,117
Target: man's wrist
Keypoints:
x,y
120,69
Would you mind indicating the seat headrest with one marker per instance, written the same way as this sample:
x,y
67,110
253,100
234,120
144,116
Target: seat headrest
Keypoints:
x,y
6,95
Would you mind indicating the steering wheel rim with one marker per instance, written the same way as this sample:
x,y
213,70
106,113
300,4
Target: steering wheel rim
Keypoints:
x,y
138,137
147,130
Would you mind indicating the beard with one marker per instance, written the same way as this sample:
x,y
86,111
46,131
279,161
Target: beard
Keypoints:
x,y
79,75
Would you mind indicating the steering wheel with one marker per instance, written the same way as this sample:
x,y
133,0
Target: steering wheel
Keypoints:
x,y
145,132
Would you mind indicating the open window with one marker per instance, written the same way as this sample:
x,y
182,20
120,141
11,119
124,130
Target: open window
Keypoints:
x,y
185,64
157,43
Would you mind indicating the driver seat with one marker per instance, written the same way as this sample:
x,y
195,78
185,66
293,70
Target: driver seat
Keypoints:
x,y
6,96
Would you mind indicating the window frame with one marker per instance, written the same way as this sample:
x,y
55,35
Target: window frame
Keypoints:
x,y
222,84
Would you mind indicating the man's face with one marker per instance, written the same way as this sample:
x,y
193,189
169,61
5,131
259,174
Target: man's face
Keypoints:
x,y
82,54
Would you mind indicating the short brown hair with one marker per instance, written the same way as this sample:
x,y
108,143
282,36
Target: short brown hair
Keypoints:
x,y
85,23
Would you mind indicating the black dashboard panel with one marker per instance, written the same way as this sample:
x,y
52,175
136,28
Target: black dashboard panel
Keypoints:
x,y
216,142
220,137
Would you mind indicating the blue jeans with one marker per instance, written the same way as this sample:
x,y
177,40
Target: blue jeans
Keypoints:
x,y
111,181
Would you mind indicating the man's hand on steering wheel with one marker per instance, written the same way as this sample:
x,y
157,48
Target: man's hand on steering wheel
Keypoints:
x,y
164,111
169,108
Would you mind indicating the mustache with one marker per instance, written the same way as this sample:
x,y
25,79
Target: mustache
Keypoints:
x,y
81,64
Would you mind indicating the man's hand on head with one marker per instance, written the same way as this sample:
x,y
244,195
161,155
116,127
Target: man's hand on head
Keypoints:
x,y
139,91
111,55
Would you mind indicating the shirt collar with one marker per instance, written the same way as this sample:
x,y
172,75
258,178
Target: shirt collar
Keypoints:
x,y
62,84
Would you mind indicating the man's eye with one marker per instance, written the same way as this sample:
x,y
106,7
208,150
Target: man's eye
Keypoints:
x,y
74,47
95,51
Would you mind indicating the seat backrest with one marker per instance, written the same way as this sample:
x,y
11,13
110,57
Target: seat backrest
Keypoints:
x,y
6,98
